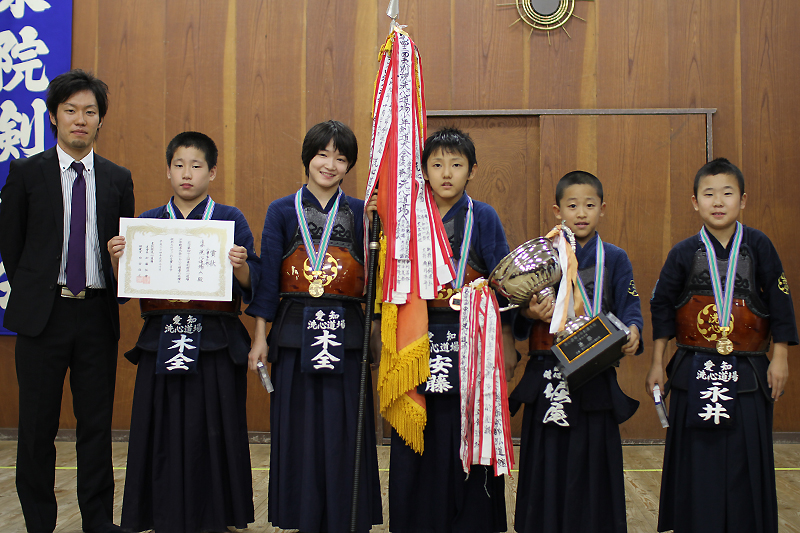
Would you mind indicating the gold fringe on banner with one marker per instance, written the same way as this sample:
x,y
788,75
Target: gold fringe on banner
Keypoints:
x,y
401,371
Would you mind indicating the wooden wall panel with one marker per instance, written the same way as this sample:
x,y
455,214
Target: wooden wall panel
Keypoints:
x,y
486,59
330,46
770,158
194,77
705,66
560,70
270,120
9,414
429,24
632,61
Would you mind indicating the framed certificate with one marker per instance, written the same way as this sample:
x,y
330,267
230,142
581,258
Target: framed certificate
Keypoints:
x,y
176,259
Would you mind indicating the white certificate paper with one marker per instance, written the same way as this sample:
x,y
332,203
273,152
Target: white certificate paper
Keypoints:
x,y
176,259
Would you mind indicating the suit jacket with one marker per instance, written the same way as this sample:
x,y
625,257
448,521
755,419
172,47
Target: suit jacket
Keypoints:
x,y
32,234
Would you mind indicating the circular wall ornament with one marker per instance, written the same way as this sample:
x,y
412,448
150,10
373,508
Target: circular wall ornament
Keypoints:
x,y
544,15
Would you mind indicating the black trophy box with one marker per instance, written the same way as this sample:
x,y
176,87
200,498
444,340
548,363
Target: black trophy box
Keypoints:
x,y
590,350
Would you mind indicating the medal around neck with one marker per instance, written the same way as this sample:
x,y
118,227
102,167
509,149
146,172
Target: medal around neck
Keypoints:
x,y
723,296
724,345
316,289
316,257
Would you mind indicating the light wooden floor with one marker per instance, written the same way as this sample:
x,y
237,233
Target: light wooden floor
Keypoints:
x,y
642,478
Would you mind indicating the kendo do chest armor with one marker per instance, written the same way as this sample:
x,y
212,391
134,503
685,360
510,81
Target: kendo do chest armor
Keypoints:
x,y
697,323
343,269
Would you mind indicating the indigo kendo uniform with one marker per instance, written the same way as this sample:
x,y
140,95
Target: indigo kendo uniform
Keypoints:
x,y
315,347
431,493
570,466
188,464
719,471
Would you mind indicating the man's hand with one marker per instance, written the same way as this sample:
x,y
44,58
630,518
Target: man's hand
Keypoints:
x,y
116,247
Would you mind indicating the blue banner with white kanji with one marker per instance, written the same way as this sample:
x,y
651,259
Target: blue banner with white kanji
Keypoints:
x,y
35,47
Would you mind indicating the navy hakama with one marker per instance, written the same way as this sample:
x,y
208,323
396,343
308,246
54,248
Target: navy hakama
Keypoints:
x,y
570,478
570,468
188,468
431,493
313,416
189,461
311,461
722,479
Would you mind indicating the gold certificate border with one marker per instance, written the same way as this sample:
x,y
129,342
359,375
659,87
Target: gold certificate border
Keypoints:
x,y
221,231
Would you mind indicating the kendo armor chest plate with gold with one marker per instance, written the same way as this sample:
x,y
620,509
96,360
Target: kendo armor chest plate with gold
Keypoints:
x,y
697,323
343,269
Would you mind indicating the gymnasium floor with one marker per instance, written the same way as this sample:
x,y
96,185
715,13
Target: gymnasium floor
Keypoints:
x,y
642,478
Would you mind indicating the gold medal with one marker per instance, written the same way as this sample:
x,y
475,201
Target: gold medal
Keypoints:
x,y
316,289
455,301
724,345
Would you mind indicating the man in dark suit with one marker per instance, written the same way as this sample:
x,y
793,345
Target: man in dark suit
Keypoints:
x,y
57,211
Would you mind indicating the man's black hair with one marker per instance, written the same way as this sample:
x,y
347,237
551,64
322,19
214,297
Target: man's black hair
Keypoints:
x,y
450,140
63,86
318,137
719,166
194,139
578,177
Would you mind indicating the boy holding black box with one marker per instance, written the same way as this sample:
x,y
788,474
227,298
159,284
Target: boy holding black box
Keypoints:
x,y
570,476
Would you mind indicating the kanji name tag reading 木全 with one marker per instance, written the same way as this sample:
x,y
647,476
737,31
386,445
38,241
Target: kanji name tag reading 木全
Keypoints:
x,y
176,259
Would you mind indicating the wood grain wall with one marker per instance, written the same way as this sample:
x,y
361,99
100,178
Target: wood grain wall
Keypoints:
x,y
255,74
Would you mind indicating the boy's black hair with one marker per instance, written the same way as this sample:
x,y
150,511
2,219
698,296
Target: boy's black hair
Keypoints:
x,y
318,137
450,140
578,177
63,86
719,166
194,139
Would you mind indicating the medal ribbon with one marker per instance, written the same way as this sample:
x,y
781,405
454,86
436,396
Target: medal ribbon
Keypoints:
x,y
316,257
462,261
599,276
207,214
723,299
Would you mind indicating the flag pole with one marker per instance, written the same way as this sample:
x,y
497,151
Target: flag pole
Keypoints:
x,y
372,267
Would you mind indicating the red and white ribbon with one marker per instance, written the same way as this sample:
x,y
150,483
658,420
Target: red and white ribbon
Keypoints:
x,y
485,420
417,250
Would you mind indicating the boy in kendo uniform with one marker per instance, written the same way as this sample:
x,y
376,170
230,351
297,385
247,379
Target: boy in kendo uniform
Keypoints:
x,y
719,472
570,473
188,467
311,285
431,493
